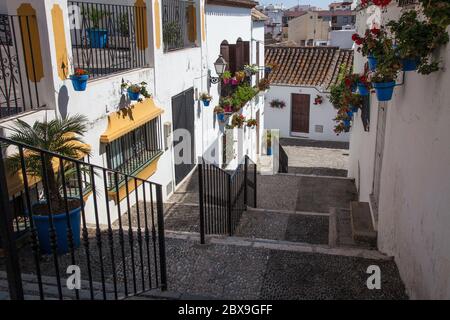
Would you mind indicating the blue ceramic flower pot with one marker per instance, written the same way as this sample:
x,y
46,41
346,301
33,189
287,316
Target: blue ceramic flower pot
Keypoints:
x,y
267,70
372,62
409,64
350,113
206,103
79,82
362,89
354,109
384,90
221,117
269,151
354,88
134,96
347,123
42,224
98,38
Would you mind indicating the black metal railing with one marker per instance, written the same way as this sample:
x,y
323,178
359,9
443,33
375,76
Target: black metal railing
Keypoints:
x,y
224,196
179,24
404,3
18,92
120,254
283,160
107,38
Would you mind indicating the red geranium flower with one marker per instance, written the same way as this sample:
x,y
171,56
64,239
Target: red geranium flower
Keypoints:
x,y
355,37
375,31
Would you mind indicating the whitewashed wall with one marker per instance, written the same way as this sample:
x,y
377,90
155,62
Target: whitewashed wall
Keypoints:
x,y
230,24
323,114
414,206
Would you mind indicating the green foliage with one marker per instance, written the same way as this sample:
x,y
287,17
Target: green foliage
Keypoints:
x,y
226,75
140,88
418,39
172,34
61,136
96,16
243,94
437,11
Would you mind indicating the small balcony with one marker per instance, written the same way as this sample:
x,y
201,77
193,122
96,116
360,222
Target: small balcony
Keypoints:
x,y
19,72
179,24
108,38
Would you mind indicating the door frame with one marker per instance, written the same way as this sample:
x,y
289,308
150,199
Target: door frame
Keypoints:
x,y
298,134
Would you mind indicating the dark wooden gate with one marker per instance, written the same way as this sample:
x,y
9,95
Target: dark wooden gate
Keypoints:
x,y
183,118
300,113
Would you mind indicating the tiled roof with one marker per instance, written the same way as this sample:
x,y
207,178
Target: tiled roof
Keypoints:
x,y
294,13
234,3
307,66
258,15
329,13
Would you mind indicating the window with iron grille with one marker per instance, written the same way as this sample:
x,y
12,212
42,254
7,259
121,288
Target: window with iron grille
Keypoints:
x,y
134,151
179,18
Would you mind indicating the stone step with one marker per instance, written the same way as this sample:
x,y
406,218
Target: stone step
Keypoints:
x,y
361,223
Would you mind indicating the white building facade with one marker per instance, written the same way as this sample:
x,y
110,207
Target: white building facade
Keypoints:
x,y
298,81
401,167
176,73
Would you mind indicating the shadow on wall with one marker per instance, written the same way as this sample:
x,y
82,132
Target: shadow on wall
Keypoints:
x,y
212,153
63,101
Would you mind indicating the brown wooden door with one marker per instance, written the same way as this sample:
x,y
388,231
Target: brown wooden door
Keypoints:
x,y
300,113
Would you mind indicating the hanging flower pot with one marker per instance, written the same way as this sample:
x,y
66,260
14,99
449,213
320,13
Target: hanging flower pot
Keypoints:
x,y
409,64
354,109
80,79
132,95
347,123
234,81
362,89
372,62
384,90
350,113
221,117
206,99
226,80
267,71
79,82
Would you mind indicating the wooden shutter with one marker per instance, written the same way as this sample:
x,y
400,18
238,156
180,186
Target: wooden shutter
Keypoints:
x,y
239,55
247,52
232,56
192,23
225,52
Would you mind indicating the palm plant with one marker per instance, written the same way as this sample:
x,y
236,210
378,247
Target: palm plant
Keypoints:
x,y
61,136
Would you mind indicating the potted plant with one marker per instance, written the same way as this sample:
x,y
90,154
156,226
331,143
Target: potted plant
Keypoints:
x,y
251,123
238,120
135,90
239,76
218,110
372,45
277,103
383,79
206,99
416,40
318,100
242,95
269,68
234,81
227,104
363,85
226,77
437,11
172,35
251,70
98,37
79,79
62,136
269,142
263,85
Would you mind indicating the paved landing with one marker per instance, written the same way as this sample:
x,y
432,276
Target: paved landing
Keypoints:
x,y
284,226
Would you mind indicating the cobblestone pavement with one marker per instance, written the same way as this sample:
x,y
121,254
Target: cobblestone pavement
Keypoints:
x,y
325,158
303,193
284,226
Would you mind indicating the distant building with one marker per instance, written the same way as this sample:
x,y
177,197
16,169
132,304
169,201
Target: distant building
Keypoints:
x,y
338,19
342,38
273,25
302,75
336,6
308,29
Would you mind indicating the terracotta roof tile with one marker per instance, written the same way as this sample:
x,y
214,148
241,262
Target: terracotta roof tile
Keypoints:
x,y
307,66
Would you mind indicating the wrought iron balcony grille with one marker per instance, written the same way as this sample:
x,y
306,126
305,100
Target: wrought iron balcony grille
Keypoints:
x,y
18,88
105,37
179,24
